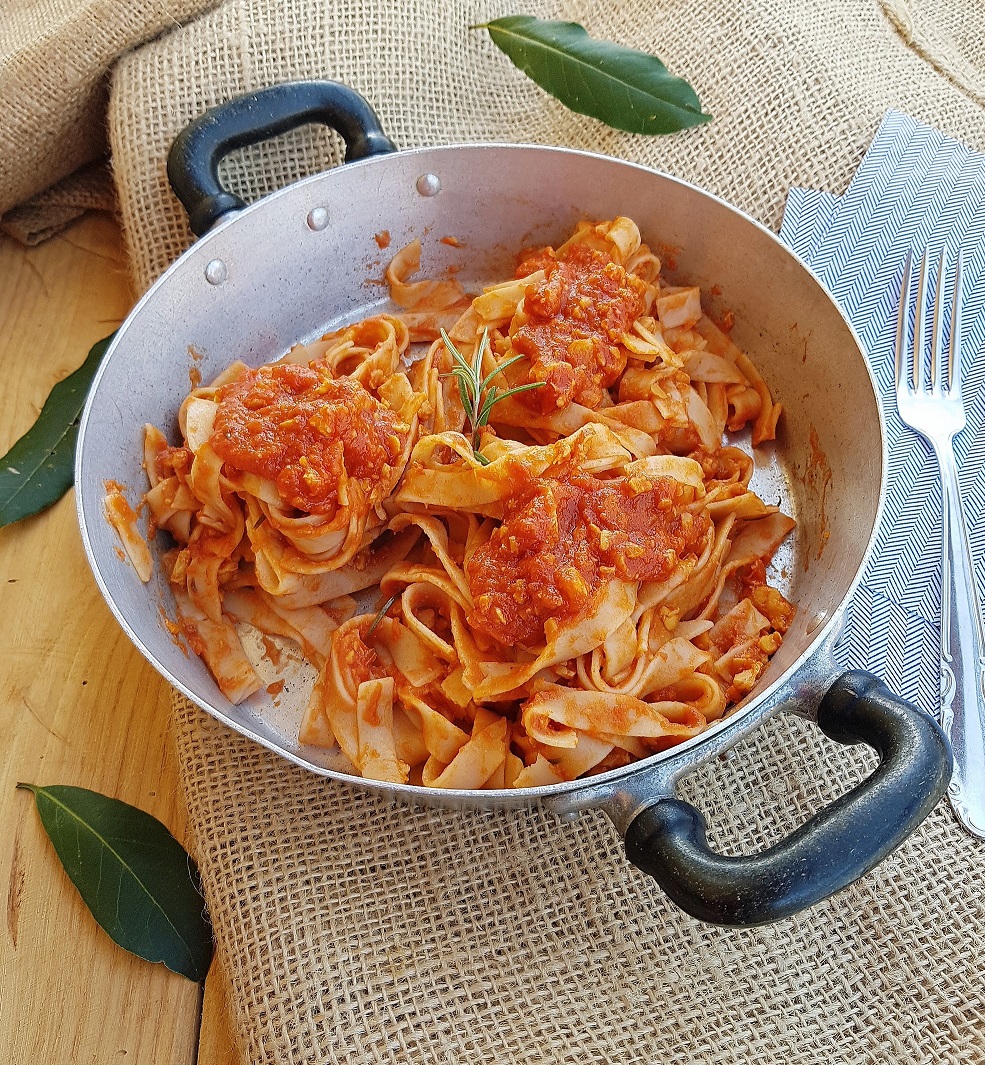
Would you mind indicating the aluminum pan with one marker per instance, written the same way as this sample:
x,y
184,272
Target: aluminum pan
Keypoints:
x,y
285,282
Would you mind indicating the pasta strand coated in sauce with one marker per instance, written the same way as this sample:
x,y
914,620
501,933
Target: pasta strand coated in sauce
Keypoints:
x,y
588,588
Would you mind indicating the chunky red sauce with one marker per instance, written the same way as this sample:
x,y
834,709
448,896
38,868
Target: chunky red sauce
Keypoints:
x,y
563,537
302,429
769,601
172,460
576,318
361,661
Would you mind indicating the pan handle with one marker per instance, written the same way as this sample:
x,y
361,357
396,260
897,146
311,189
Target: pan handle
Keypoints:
x,y
193,162
832,850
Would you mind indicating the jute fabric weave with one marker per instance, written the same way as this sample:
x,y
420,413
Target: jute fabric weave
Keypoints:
x,y
358,931
54,60
797,89
90,188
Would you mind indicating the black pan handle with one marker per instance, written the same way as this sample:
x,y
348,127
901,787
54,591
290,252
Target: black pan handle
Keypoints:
x,y
193,162
832,850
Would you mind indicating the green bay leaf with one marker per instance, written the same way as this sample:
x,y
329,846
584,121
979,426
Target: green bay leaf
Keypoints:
x,y
622,87
37,471
134,876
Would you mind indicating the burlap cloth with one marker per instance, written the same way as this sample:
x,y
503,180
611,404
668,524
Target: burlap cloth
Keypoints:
x,y
356,931
90,188
55,56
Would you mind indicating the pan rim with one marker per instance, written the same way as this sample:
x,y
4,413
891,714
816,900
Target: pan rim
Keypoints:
x,y
742,719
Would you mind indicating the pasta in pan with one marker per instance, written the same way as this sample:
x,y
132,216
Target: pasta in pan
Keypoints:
x,y
567,565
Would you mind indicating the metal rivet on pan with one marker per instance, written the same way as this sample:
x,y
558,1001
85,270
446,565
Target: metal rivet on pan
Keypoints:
x,y
318,218
216,272
815,623
429,184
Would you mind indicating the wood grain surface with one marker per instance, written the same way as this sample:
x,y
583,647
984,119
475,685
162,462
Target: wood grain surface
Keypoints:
x,y
78,705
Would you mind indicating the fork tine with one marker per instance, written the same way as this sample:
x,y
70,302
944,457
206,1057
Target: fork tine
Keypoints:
x,y
936,337
901,321
919,328
955,370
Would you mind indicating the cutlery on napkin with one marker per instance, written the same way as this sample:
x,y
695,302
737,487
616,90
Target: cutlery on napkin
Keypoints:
x,y
914,188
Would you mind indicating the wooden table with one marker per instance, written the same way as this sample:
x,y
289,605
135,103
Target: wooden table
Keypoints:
x,y
78,705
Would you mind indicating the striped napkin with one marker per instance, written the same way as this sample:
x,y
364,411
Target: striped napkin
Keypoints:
x,y
915,188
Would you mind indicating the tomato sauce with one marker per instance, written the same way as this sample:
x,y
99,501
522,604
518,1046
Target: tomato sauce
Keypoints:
x,y
576,318
769,601
563,537
304,430
362,662
172,460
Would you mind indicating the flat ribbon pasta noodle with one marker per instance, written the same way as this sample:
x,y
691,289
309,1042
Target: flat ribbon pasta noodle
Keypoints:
x,y
475,761
218,644
505,531
376,752
309,627
407,294
564,642
308,586
123,518
433,478
555,715
585,755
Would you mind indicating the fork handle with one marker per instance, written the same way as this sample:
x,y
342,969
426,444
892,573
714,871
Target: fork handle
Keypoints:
x,y
962,655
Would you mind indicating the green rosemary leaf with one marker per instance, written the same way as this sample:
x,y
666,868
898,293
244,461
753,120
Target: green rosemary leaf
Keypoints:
x,y
381,614
463,392
499,369
455,353
479,395
490,401
520,388
468,383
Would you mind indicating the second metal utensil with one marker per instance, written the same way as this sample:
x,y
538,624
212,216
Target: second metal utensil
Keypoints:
x,y
935,410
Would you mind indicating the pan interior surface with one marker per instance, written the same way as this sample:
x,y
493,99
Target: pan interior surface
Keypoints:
x,y
268,278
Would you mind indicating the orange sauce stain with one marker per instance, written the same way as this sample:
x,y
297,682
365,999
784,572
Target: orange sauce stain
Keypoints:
x,y
174,630
115,491
383,238
818,481
271,650
452,242
274,689
667,254
194,374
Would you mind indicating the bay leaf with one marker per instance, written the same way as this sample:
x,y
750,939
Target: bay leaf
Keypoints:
x,y
622,87
135,877
38,470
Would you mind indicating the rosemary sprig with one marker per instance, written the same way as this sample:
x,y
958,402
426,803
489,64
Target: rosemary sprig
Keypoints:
x,y
479,395
381,613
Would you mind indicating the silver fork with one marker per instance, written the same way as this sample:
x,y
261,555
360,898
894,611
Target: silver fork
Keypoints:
x,y
937,414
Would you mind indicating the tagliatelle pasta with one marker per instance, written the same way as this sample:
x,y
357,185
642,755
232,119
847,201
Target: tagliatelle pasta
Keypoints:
x,y
565,568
